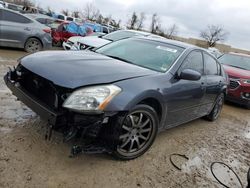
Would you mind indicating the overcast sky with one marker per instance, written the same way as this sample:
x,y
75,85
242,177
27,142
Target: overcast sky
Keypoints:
x,y
191,16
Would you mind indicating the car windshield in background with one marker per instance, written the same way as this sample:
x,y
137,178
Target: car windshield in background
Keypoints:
x,y
148,54
118,35
238,61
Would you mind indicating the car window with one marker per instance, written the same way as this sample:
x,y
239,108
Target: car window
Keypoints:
x,y
105,30
194,61
13,17
211,65
159,56
239,61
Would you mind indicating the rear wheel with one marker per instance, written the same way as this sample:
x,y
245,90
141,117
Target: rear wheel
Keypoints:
x,y
214,114
137,132
33,45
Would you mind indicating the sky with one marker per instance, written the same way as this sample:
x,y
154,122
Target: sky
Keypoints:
x,y
191,16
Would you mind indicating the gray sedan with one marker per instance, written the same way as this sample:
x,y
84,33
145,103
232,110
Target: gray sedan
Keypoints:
x,y
19,31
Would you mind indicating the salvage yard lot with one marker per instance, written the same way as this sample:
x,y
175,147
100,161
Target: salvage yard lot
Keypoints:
x,y
27,160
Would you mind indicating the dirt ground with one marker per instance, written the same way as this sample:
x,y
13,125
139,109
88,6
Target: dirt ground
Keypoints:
x,y
27,160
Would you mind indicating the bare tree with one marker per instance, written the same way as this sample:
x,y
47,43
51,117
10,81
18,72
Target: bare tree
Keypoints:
x,y
155,23
171,31
213,34
75,14
132,21
90,12
141,20
65,12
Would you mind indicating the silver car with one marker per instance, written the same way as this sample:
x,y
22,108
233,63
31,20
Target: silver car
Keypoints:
x,y
19,31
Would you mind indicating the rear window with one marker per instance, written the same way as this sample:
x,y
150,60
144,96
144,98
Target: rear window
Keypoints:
x,y
242,62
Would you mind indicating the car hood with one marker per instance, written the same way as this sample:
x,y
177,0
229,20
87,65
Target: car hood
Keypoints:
x,y
75,39
73,69
237,72
94,41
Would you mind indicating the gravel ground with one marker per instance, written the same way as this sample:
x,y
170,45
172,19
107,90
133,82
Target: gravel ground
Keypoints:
x,y
27,160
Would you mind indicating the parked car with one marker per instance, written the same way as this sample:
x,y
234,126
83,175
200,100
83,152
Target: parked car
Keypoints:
x,y
43,19
19,31
237,67
92,42
68,29
72,42
123,94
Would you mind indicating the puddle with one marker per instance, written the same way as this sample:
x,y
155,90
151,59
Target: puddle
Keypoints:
x,y
191,164
247,135
5,130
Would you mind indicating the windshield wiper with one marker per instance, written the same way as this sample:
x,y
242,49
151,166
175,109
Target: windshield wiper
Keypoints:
x,y
119,58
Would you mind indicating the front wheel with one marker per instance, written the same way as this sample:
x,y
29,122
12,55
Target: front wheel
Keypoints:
x,y
137,132
214,114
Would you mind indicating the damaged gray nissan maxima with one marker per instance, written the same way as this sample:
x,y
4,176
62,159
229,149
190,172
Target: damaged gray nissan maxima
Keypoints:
x,y
117,98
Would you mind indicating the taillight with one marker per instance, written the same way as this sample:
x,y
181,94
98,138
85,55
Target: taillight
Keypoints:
x,y
47,30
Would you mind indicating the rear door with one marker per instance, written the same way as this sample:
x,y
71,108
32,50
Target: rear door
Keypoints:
x,y
187,96
15,29
214,81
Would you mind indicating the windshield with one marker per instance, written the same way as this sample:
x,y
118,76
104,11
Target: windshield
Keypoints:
x,y
242,62
118,35
144,53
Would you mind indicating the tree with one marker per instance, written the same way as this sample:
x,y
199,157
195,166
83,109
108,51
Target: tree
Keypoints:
x,y
155,24
133,21
65,12
140,21
171,31
90,12
75,14
213,34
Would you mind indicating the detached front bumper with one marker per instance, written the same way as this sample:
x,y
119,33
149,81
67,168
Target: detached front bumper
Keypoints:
x,y
51,116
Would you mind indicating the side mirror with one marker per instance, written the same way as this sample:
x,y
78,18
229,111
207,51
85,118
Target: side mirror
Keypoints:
x,y
189,74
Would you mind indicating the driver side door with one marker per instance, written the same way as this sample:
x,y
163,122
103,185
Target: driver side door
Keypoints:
x,y
186,96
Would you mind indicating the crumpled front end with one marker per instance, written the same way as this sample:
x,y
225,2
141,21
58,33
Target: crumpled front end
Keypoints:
x,y
46,99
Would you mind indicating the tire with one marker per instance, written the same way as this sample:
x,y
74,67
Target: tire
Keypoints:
x,y
138,130
33,45
214,114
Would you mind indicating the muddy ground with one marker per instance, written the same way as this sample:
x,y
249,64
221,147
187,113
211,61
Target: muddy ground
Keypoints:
x,y
27,160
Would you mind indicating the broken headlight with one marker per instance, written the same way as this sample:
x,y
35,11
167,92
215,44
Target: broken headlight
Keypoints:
x,y
94,98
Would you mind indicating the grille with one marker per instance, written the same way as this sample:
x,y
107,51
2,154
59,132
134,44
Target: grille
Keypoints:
x,y
234,84
41,88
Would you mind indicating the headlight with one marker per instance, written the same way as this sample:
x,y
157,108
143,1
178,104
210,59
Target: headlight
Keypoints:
x,y
94,98
245,81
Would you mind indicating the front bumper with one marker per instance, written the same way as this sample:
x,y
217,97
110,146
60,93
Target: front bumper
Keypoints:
x,y
238,95
51,116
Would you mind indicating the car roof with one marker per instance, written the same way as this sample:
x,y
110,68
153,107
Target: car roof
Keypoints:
x,y
34,16
169,41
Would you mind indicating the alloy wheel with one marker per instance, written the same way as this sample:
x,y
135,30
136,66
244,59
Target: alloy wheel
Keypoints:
x,y
136,133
